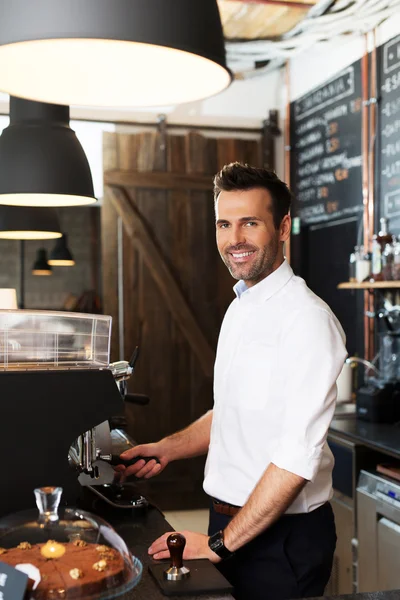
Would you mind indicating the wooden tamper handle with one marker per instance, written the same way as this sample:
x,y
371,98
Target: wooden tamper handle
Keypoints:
x,y
176,543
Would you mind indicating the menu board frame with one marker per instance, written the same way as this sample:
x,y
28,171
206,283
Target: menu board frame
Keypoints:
x,y
326,149
387,190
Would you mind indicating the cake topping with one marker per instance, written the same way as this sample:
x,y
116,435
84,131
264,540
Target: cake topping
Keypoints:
x,y
3,550
24,546
76,573
110,555
52,549
100,566
79,543
102,548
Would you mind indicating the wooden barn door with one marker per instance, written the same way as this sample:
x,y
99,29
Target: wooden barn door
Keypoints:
x,y
165,285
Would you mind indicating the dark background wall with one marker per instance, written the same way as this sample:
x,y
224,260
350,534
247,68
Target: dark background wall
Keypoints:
x,y
83,229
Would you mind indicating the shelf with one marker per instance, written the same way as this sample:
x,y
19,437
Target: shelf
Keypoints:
x,y
366,285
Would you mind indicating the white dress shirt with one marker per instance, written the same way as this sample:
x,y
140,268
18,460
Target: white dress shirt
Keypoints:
x,y
280,351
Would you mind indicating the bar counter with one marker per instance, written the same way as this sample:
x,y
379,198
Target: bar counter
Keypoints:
x,y
139,528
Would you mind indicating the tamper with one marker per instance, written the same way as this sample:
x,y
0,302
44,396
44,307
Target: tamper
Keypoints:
x,y
176,543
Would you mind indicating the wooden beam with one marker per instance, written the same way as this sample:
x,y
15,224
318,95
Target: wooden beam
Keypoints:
x,y
159,180
141,237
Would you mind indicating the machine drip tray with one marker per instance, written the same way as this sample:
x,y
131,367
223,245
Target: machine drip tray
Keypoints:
x,y
125,496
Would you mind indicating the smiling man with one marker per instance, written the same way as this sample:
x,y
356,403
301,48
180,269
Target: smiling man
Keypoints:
x,y
280,351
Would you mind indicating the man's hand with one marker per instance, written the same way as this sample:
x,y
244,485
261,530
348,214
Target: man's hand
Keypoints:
x,y
142,468
196,547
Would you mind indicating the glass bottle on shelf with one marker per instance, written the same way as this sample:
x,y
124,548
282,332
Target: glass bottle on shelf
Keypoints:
x,y
387,262
379,242
352,267
384,237
363,265
376,267
396,259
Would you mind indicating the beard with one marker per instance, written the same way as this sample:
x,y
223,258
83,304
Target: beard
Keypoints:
x,y
260,265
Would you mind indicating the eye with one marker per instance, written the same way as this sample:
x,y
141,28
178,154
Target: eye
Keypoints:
x,y
223,225
250,224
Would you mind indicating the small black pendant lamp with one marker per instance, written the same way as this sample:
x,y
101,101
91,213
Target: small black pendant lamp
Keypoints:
x,y
41,266
61,255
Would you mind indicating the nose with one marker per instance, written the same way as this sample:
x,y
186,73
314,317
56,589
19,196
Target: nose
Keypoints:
x,y
237,235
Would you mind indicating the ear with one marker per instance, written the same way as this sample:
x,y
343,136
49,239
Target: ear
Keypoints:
x,y
285,228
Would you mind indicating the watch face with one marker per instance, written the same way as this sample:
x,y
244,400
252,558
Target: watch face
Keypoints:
x,y
216,543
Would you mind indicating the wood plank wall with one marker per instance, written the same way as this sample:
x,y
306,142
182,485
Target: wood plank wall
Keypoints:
x,y
179,221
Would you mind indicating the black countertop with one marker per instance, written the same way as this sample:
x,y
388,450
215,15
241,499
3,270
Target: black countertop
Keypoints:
x,y
382,437
139,528
392,595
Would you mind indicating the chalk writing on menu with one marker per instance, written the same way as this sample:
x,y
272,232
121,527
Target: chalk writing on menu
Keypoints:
x,y
389,127
326,161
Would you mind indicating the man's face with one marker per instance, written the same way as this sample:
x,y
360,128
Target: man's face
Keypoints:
x,y
247,240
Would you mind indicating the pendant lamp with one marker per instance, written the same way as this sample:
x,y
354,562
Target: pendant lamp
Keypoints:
x,y
112,53
41,266
28,223
61,255
42,162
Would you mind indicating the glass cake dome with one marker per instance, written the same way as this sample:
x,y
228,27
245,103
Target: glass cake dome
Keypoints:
x,y
74,554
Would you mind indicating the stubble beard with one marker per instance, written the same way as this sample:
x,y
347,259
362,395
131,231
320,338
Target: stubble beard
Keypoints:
x,y
259,268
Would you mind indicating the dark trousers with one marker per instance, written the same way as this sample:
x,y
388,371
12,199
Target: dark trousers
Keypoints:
x,y
291,559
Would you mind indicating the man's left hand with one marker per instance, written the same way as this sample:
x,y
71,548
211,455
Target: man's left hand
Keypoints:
x,y
196,547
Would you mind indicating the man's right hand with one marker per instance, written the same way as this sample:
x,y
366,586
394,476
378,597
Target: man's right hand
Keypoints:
x,y
142,468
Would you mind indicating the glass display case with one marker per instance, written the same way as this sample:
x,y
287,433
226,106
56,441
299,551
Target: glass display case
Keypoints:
x,y
31,339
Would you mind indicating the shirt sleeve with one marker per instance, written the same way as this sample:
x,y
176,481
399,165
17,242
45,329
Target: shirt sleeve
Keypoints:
x,y
313,353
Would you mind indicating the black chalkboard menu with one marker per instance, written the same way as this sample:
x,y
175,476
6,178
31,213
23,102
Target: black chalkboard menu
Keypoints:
x,y
388,155
326,161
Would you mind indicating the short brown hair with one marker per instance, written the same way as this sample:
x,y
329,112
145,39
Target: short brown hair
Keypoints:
x,y
238,176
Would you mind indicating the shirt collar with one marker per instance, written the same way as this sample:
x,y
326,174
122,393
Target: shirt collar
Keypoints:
x,y
268,286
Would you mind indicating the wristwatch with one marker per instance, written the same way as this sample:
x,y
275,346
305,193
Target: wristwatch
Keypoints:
x,y
216,543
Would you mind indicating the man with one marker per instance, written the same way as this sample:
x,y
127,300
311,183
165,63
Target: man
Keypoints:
x,y
279,354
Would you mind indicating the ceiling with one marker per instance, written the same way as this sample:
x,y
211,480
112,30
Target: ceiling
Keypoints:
x,y
261,19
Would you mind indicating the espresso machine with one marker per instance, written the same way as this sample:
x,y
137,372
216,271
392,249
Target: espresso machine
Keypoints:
x,y
61,419
378,400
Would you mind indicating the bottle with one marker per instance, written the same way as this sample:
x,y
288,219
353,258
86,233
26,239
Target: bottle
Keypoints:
x,y
387,262
376,270
363,265
352,267
384,237
379,243
396,259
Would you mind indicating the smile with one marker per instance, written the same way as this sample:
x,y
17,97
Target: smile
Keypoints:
x,y
241,256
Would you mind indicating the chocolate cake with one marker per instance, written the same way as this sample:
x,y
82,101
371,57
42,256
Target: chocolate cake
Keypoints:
x,y
75,569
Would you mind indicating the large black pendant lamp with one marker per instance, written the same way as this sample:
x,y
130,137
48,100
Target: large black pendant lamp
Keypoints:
x,y
112,53
42,162
29,223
